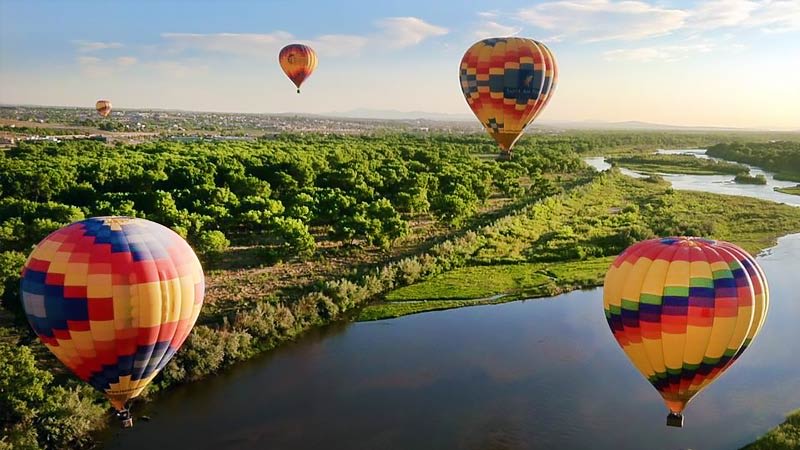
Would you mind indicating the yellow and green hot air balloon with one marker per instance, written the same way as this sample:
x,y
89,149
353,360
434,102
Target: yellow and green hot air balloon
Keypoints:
x,y
507,83
298,62
113,298
683,310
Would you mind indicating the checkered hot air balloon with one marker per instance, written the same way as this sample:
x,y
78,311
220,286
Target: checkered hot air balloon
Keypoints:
x,y
683,310
507,82
298,62
103,107
113,298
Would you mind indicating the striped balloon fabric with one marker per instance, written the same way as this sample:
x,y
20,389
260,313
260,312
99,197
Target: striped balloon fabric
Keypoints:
x,y
507,82
298,61
683,309
103,107
113,298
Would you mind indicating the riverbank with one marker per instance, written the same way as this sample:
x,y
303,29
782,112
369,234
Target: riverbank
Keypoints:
x,y
789,190
487,285
785,436
781,157
567,242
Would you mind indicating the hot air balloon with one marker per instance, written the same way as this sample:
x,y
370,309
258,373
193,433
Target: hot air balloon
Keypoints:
x,y
683,310
507,83
113,298
103,107
298,62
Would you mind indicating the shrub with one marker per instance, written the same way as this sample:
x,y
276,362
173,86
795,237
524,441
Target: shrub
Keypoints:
x,y
211,241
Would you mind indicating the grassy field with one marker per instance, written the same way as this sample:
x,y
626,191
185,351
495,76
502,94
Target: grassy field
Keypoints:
x,y
785,436
790,190
676,164
480,285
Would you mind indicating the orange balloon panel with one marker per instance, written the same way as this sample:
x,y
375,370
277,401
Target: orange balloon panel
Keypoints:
x,y
507,82
298,61
113,298
103,107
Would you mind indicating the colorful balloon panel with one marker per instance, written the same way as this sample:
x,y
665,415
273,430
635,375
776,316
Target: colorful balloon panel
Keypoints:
x,y
507,82
298,62
103,107
113,298
683,309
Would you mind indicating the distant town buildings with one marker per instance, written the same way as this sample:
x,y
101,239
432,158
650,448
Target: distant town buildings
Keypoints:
x,y
186,126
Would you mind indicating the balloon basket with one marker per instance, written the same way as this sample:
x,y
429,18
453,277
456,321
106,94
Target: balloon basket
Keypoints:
x,y
504,156
675,420
125,419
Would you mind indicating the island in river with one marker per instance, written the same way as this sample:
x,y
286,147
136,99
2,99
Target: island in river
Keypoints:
x,y
789,190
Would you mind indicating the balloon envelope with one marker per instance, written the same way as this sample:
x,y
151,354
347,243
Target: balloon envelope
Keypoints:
x,y
683,309
113,298
507,82
103,107
298,61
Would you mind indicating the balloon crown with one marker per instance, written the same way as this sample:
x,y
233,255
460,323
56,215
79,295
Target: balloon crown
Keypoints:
x,y
688,241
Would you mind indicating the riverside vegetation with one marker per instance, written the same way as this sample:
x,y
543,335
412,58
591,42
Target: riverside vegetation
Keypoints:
x,y
785,436
302,230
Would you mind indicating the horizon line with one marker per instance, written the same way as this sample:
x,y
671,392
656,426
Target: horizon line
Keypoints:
x,y
588,123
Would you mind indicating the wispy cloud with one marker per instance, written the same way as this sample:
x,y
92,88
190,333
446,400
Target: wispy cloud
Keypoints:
x,y
631,20
400,32
125,61
668,53
178,68
230,43
774,16
490,28
93,46
95,67
721,13
392,32
339,44
601,20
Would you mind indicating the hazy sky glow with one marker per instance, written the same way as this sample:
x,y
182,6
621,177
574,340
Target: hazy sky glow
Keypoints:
x,y
711,63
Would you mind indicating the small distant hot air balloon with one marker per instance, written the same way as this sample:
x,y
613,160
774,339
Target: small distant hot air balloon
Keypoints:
x,y
103,107
683,310
298,62
507,82
113,298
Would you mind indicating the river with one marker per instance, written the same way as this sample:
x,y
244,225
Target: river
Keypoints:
x,y
533,374
718,184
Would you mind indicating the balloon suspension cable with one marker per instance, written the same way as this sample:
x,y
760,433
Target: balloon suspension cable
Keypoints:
x,y
125,418
675,420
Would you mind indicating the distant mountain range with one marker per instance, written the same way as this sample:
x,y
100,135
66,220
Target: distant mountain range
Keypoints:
x,y
381,114
388,114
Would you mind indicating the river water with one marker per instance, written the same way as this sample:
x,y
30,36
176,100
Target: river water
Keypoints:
x,y
718,184
533,374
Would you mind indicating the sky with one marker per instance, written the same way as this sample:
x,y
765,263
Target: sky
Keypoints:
x,y
733,63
